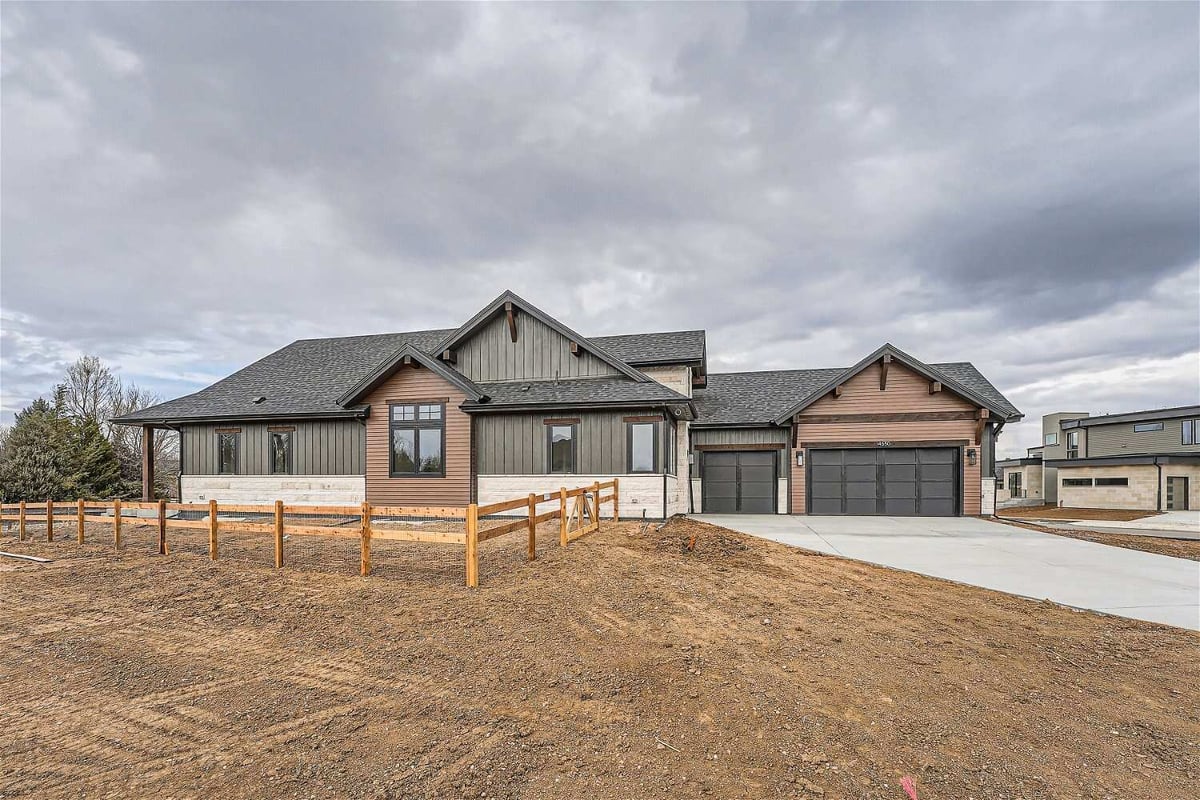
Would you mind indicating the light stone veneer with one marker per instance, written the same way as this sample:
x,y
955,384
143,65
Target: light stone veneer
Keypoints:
x,y
315,490
987,497
1142,493
638,492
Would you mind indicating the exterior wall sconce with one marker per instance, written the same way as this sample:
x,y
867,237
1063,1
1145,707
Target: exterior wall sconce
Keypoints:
x,y
799,458
972,457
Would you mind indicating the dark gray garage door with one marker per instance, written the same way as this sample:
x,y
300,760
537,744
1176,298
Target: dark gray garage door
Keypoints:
x,y
738,482
895,481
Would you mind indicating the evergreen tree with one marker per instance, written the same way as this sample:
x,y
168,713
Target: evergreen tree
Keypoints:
x,y
97,473
36,462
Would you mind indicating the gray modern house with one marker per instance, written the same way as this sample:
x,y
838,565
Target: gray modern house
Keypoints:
x,y
513,402
1141,460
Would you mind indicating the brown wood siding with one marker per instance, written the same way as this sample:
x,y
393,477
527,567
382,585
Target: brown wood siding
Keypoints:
x,y
906,393
406,385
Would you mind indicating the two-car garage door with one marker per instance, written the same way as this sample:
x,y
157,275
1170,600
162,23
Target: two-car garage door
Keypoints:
x,y
901,481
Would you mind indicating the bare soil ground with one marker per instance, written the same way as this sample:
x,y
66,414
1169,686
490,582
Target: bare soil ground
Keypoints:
x,y
1056,512
624,666
1178,548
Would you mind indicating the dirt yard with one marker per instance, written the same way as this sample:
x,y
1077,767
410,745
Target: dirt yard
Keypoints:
x,y
1177,548
1056,512
625,666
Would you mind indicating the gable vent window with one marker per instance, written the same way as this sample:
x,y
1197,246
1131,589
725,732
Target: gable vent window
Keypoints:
x,y
417,432
1146,427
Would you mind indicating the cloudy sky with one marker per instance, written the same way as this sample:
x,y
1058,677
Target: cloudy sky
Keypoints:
x,y
188,187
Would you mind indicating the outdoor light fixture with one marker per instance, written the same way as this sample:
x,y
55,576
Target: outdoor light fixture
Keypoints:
x,y
799,458
971,456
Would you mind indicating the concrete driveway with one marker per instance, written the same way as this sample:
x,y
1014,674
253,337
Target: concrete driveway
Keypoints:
x,y
1128,583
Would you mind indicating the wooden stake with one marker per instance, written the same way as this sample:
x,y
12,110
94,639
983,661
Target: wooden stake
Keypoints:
x,y
617,499
364,567
162,527
278,534
117,524
562,516
596,503
212,529
532,527
21,522
472,545
49,520
79,518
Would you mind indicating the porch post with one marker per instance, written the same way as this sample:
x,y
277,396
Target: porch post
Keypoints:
x,y
147,463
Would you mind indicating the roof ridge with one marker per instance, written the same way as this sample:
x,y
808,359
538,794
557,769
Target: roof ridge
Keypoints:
x,y
368,335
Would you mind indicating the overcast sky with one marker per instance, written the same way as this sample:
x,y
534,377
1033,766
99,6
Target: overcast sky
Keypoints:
x,y
188,187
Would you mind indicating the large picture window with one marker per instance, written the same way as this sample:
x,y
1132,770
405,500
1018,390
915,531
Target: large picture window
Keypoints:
x,y
643,446
279,452
417,433
560,448
227,452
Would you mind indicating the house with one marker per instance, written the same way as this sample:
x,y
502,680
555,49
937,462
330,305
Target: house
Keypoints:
x,y
514,402
1147,460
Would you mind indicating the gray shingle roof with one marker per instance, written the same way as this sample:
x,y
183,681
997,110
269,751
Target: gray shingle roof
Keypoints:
x,y
757,398
580,392
670,347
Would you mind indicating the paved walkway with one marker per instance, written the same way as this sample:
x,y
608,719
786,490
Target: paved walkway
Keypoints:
x,y
1114,580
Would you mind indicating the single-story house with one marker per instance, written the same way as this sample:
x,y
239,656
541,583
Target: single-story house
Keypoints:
x,y
514,402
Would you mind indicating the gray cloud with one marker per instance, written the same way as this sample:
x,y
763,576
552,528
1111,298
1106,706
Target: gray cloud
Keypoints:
x,y
188,186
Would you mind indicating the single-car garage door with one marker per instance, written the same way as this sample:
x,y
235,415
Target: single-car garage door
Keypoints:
x,y
738,482
895,481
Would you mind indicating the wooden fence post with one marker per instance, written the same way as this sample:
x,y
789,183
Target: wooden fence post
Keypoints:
x,y
562,516
278,534
212,529
616,499
596,502
117,523
473,545
364,567
532,527
49,520
21,521
79,519
162,527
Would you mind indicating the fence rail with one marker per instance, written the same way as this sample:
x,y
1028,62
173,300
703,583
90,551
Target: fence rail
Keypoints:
x,y
578,512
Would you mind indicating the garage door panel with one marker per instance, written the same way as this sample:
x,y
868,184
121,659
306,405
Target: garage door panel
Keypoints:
x,y
827,473
902,456
900,507
739,482
756,474
937,472
859,457
902,481
860,507
824,458
937,507
861,472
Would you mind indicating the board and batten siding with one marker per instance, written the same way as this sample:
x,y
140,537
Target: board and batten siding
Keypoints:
x,y
413,385
540,353
515,444
726,437
907,392
325,447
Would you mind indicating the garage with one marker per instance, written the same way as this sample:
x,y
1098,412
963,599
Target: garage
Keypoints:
x,y
738,482
899,481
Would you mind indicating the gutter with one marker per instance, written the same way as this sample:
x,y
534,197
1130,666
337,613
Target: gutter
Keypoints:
x,y
168,422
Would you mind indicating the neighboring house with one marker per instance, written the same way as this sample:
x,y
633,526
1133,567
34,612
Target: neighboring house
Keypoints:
x,y
1019,480
1147,460
514,402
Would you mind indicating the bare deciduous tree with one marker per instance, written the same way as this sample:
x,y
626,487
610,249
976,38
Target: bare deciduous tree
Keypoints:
x,y
89,389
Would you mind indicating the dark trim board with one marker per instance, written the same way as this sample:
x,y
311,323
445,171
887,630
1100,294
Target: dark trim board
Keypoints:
x,y
917,416
894,444
763,446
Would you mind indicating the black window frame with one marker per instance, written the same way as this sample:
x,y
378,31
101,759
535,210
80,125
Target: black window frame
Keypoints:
x,y
1147,427
1073,447
291,443
1187,431
416,425
550,426
237,448
654,446
1112,480
1077,482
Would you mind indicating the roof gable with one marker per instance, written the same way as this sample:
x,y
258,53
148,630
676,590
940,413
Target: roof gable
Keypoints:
x,y
408,354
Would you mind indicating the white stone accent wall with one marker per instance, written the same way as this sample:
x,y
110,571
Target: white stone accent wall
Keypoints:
x,y
781,496
677,378
683,470
638,492
1140,494
316,490
987,497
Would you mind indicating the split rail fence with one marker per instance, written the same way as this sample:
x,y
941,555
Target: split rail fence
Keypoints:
x,y
578,513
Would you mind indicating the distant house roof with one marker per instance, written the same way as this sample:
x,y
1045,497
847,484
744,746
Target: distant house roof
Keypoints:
x,y
1175,412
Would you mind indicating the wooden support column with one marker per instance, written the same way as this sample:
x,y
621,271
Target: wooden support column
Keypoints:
x,y
278,534
596,502
617,498
147,463
49,520
79,521
981,425
212,529
472,545
532,527
562,516
117,524
162,527
364,566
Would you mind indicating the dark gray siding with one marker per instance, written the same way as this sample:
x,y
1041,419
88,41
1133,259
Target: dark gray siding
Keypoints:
x,y
540,352
729,436
1121,440
334,447
515,444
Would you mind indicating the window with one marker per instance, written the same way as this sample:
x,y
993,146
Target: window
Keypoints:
x,y
1077,482
1014,484
417,433
1146,427
280,452
1112,481
1189,431
560,448
1051,439
1073,444
227,447
643,445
